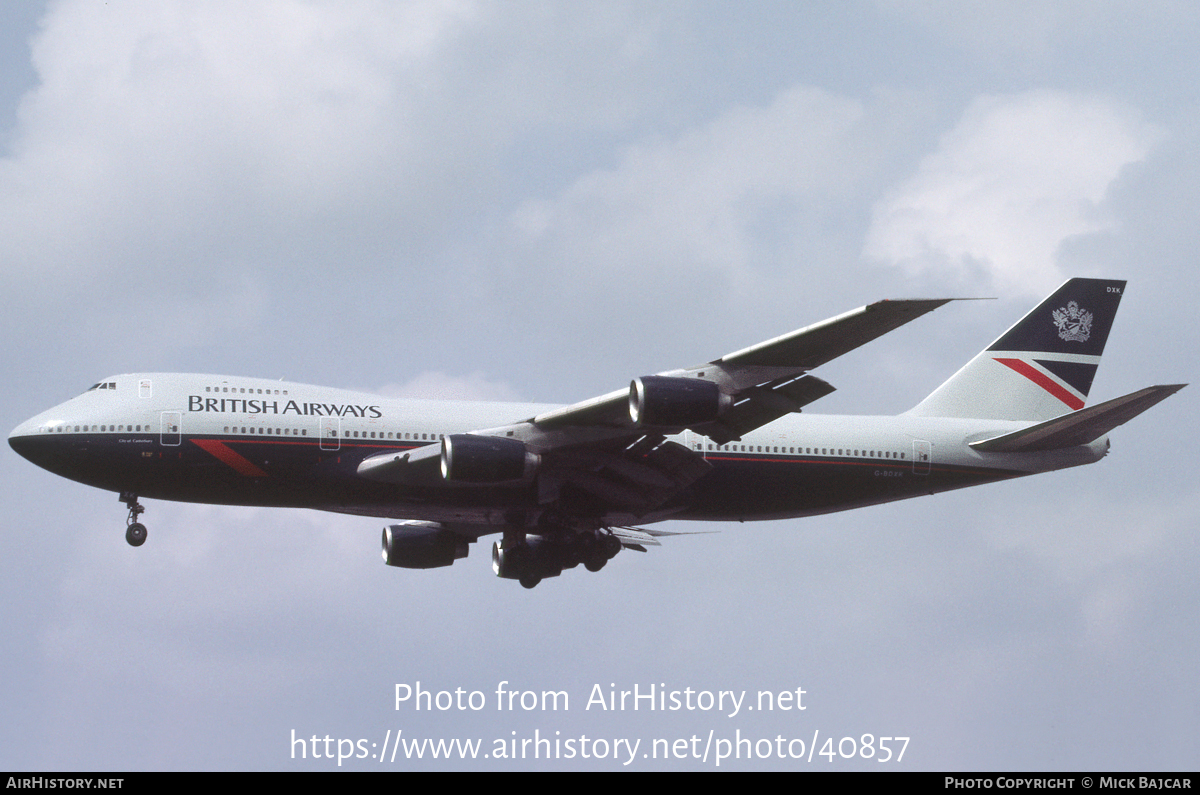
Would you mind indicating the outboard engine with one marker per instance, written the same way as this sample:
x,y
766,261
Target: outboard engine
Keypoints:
x,y
422,545
667,402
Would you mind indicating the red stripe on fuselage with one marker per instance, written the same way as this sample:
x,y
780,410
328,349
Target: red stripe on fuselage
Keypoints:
x,y
1043,380
226,455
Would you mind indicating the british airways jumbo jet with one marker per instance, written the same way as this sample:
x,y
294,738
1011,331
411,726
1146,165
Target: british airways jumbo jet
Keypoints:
x,y
564,485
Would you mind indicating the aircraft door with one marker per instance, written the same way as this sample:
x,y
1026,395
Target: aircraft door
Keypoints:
x,y
170,429
331,433
922,456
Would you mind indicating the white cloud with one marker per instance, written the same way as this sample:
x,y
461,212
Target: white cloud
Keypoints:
x,y
1031,28
176,124
436,385
703,202
1008,185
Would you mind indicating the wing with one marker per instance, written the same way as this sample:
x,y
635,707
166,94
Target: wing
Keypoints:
x,y
612,451
763,382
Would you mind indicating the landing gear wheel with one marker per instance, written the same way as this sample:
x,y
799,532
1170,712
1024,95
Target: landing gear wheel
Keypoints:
x,y
529,581
135,534
135,531
595,563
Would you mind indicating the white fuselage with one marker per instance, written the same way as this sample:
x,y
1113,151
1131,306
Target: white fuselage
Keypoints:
x,y
253,441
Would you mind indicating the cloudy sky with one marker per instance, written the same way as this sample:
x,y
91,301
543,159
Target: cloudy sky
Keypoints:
x,y
538,201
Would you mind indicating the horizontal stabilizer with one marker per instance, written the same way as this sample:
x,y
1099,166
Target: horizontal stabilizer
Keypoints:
x,y
1079,427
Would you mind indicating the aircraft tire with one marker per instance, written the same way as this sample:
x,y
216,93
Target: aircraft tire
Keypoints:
x,y
135,534
529,581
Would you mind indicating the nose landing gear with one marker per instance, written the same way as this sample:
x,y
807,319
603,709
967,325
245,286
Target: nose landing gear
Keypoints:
x,y
135,531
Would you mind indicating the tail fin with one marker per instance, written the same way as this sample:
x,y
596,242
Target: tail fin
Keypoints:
x,y
1040,368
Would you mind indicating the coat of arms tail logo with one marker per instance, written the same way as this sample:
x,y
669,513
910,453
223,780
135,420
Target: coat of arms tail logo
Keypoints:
x,y
1074,324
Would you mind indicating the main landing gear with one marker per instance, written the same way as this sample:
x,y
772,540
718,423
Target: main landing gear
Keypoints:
x,y
135,531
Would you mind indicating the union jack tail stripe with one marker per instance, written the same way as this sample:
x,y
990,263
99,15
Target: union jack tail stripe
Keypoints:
x,y
1055,349
1044,381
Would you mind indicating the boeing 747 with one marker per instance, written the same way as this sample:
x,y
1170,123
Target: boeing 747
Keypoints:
x,y
564,485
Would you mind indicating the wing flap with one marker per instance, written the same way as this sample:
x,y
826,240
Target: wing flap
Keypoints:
x,y
763,405
636,479
1079,427
635,538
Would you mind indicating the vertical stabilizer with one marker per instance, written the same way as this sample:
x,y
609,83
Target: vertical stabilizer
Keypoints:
x,y
1040,368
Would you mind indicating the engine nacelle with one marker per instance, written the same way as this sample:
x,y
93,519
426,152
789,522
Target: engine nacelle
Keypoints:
x,y
534,560
538,557
467,458
666,402
421,545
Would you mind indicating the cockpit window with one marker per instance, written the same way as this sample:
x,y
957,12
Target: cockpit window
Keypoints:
x,y
103,385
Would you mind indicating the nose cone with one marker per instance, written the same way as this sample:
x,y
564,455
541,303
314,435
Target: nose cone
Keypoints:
x,y
45,441
64,439
23,440
31,441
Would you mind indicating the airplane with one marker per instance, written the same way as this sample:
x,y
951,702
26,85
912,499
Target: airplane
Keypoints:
x,y
721,441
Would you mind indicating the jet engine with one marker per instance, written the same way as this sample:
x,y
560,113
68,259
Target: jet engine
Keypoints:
x,y
530,562
537,557
421,545
667,402
467,458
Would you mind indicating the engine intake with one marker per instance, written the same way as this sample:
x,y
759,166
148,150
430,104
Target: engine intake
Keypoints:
x,y
422,545
467,458
667,402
